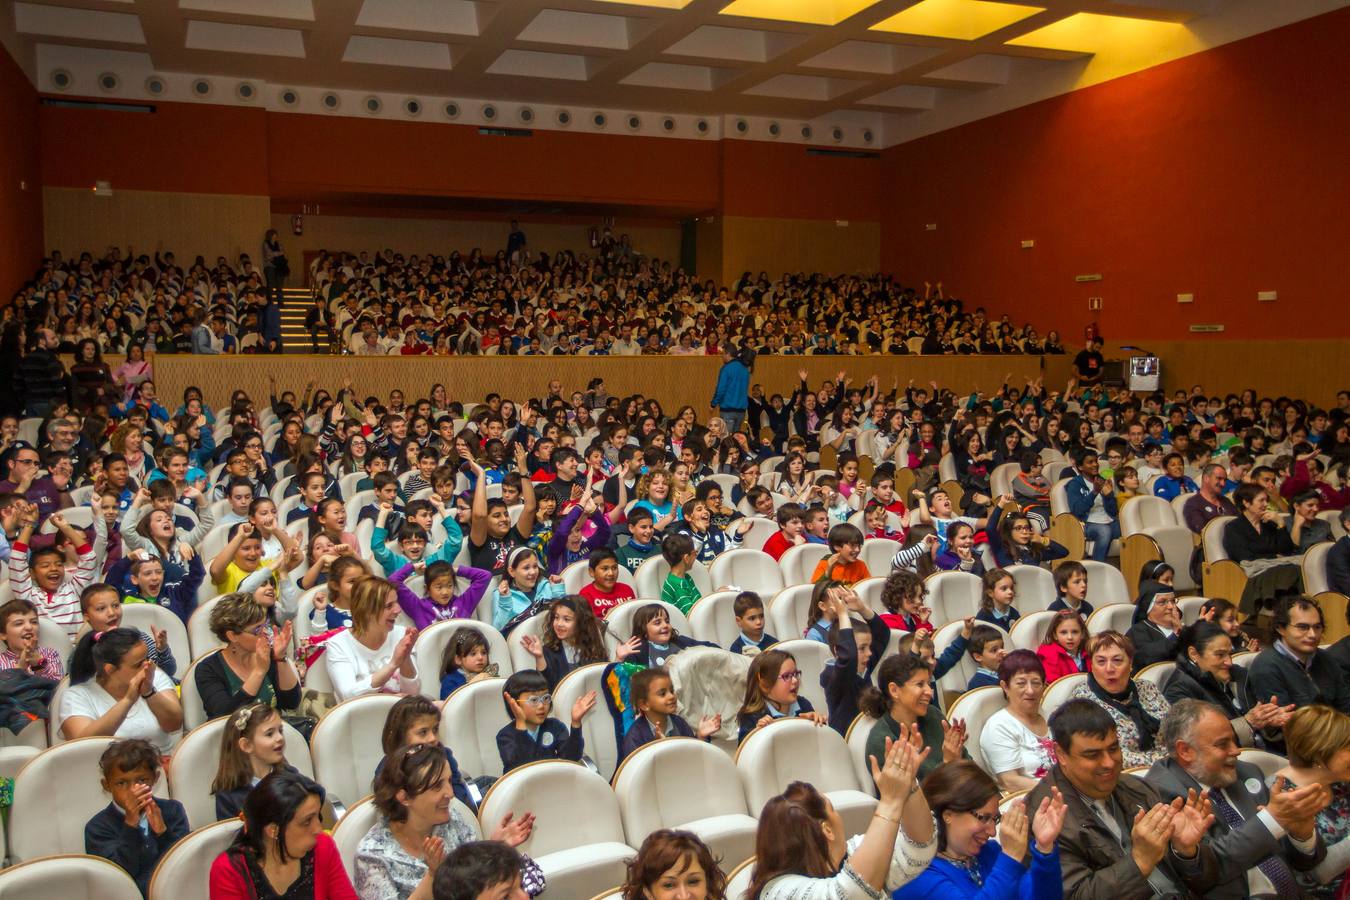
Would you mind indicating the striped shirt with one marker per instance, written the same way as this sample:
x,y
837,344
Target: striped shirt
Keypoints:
x,y
62,606
51,663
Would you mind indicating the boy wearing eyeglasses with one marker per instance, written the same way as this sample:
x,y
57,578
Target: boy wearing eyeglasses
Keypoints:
x,y
532,734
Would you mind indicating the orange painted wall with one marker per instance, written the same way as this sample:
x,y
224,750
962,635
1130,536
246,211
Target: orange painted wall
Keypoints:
x,y
1220,174
785,181
20,204
186,147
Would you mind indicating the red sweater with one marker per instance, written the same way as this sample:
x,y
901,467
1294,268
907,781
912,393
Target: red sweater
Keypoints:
x,y
601,602
1058,663
330,877
777,544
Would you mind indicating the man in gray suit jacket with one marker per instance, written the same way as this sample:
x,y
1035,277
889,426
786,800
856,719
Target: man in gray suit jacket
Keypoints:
x,y
1259,839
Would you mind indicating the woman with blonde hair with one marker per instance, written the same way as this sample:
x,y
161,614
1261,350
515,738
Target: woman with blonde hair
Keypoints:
x,y
375,654
1317,739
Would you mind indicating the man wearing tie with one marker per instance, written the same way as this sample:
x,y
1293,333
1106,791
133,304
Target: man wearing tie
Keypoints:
x,y
1119,841
1260,837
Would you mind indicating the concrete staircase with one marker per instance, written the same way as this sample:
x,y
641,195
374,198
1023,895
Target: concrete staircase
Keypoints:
x,y
295,337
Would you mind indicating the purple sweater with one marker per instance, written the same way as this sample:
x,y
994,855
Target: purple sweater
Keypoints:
x,y
423,611
559,557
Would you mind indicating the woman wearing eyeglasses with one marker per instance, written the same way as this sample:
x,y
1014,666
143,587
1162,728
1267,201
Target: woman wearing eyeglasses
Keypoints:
x,y
970,861
253,666
1157,622
771,692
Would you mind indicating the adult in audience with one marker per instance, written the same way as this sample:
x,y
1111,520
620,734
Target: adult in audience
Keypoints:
x,y
418,825
1205,671
970,862
41,379
282,851
253,666
733,387
803,851
1258,541
1089,364
275,265
903,699
480,870
1338,559
374,655
1317,739
115,691
674,865
1156,623
1136,707
1293,669
1092,501
1209,503
1015,740
1260,836
1119,839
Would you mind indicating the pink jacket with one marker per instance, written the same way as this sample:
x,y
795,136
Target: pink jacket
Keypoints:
x,y
1058,663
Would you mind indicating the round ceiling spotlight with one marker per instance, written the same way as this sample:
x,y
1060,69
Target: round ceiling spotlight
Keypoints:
x,y
62,79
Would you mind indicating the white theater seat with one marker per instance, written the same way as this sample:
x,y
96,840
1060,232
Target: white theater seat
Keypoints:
x,y
68,877
1158,673
197,757
788,610
1105,584
652,786
794,749
953,683
201,639
194,712
811,657
713,618
749,570
761,529
651,575
145,616
1026,632
184,872
1060,690
869,592
974,708
1269,763
63,780
578,837
856,739
470,721
879,553
738,879
1035,588
798,563
520,658
346,745
1145,512
429,649
619,621
599,743
1115,617
953,596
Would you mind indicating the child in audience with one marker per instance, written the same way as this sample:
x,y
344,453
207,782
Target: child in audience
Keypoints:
x,y
1071,583
883,494
19,627
386,492
843,564
330,517
679,589
571,639
921,644
415,721
333,607
642,544
791,525
996,602
960,553
441,602
772,692
605,591
816,525
902,595
573,540
857,640
820,616
522,588
313,489
1061,649
1031,489
709,539
43,580
137,828
986,648
252,746
878,525
652,694
465,660
532,735
936,509
1225,616
101,609
145,575
760,501
242,556
657,640
748,609
835,504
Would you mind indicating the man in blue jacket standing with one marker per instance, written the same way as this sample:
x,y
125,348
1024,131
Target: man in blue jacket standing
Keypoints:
x,y
733,388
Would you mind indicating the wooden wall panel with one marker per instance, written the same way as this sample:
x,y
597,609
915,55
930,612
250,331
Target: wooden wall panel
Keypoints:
x,y
674,381
188,224
441,236
20,179
797,245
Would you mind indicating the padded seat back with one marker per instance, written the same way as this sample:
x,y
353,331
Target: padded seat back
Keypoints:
x,y
750,570
974,708
1035,588
572,806
346,745
652,786
184,872
429,650
788,610
799,562
470,721
68,877
788,750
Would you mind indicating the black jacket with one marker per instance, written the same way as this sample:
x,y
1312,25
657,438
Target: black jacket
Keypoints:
x,y
840,678
1243,542
1274,673
108,835
42,378
1150,644
555,741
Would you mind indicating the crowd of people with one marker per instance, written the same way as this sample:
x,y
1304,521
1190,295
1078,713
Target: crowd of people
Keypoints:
x,y
477,510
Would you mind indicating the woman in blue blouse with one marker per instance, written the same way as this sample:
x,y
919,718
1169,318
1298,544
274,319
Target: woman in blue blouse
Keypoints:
x,y
969,862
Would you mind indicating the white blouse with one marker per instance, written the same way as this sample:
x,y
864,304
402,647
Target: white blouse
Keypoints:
x,y
1010,746
351,663
91,701
908,859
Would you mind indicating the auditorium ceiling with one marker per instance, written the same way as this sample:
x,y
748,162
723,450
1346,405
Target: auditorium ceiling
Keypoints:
x,y
894,68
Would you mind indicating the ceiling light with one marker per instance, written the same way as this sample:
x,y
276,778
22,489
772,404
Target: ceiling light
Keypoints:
x,y
810,12
1094,32
963,20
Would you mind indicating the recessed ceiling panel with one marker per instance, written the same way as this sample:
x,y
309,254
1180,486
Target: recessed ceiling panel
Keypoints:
x,y
982,70
557,26
810,12
229,38
678,77
82,24
716,42
804,87
962,20
904,96
380,51
870,57
1093,33
434,16
272,9
534,64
